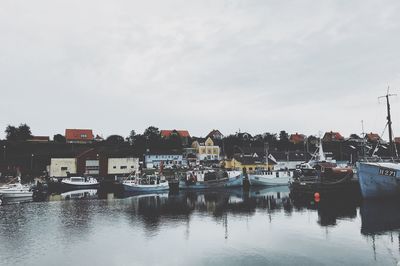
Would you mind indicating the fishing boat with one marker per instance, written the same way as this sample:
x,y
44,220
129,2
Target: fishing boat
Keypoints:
x,y
270,178
16,190
145,184
381,179
77,182
210,178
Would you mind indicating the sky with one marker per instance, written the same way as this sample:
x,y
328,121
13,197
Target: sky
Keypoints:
x,y
250,65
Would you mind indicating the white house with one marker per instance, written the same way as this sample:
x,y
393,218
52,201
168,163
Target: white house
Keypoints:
x,y
207,150
60,167
169,160
122,166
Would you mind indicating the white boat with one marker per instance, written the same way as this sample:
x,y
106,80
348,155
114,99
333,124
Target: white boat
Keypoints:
x,y
16,190
270,178
146,184
78,182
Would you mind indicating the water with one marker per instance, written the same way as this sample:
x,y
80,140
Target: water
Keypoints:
x,y
263,227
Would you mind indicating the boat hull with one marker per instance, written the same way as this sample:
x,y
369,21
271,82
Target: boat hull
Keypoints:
x,y
146,188
262,180
234,181
16,194
67,186
379,180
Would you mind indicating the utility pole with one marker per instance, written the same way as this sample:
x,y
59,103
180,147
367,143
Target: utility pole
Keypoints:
x,y
389,121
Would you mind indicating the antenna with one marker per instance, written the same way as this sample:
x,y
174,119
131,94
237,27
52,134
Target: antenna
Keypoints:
x,y
389,119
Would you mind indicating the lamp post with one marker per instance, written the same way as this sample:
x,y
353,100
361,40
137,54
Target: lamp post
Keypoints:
x,y
4,153
32,155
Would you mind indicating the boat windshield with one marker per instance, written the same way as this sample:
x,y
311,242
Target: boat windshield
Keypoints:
x,y
77,179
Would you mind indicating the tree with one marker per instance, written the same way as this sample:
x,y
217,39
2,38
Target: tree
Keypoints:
x,y
151,132
22,133
115,139
131,138
59,138
283,143
11,133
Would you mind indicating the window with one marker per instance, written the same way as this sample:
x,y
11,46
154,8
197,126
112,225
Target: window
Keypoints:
x,y
124,167
64,168
132,166
114,167
83,136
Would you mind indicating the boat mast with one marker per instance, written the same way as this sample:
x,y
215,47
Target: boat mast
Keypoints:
x,y
389,121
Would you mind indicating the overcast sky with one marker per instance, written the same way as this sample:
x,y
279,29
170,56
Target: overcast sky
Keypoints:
x,y
254,65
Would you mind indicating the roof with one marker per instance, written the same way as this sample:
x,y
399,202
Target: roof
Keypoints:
x,y
332,136
215,133
373,136
297,138
39,138
182,133
79,134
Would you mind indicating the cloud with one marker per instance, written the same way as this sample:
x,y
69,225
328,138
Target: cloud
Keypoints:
x,y
255,65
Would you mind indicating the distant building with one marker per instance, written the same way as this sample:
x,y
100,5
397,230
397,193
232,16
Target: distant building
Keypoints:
x,y
297,138
397,140
61,167
215,134
183,134
79,136
207,150
122,166
288,160
39,139
332,136
249,162
168,159
372,137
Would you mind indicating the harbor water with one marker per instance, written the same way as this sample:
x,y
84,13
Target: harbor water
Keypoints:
x,y
265,226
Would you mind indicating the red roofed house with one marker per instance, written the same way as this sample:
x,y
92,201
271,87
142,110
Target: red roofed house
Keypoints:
x,y
79,135
373,137
297,138
332,136
184,134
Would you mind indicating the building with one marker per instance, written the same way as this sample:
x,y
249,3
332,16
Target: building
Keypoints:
x,y
289,160
249,162
397,140
183,134
81,136
122,166
332,137
62,167
215,134
372,137
39,139
168,159
297,138
206,151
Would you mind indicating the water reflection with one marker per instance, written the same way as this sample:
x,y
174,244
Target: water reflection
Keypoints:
x,y
235,226
379,216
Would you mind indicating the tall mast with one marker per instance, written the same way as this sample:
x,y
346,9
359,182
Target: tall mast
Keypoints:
x,y
389,122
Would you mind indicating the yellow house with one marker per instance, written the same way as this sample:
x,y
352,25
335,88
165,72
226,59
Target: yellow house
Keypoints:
x,y
206,150
250,163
